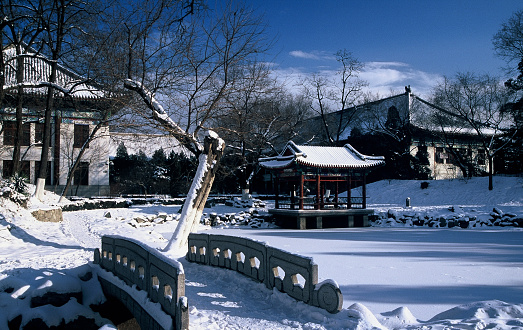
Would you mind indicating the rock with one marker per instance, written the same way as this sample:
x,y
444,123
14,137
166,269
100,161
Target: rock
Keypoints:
x,y
48,215
107,214
418,222
495,215
463,222
518,221
498,211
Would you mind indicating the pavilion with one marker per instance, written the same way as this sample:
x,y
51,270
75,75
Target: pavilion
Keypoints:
x,y
315,186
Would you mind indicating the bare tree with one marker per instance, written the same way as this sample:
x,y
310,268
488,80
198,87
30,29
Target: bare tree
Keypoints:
x,y
508,42
474,104
350,88
261,128
197,68
20,29
331,96
59,18
251,116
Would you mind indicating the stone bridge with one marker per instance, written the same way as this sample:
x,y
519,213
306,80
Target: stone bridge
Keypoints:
x,y
141,277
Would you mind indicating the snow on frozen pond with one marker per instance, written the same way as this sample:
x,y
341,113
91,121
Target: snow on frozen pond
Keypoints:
x,y
385,274
427,270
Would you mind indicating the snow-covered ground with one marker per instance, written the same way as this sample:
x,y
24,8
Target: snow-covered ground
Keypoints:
x,y
391,276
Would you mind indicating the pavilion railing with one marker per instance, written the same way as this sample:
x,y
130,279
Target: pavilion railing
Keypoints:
x,y
310,203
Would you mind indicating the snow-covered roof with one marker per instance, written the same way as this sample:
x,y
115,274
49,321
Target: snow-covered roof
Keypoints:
x,y
322,157
37,70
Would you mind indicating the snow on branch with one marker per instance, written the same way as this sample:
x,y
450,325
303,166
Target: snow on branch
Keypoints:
x,y
188,140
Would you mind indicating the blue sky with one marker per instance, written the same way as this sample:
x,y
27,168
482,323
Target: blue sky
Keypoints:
x,y
401,42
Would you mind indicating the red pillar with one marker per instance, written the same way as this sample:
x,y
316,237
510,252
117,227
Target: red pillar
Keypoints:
x,y
336,192
364,191
277,192
302,180
318,188
349,197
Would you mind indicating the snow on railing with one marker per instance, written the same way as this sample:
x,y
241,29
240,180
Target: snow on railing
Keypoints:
x,y
290,273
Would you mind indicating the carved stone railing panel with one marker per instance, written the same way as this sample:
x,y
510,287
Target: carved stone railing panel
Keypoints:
x,y
290,273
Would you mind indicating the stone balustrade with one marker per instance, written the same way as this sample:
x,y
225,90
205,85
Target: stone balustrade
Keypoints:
x,y
290,273
162,278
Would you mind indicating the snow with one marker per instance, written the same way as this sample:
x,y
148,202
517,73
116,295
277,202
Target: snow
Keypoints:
x,y
401,277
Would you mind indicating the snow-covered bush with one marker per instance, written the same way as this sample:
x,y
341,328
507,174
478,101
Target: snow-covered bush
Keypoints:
x,y
15,189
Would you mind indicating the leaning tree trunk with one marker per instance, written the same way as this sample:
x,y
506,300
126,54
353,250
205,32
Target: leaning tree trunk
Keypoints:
x,y
192,209
208,161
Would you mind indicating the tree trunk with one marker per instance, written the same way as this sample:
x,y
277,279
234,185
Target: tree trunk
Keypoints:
x,y
19,118
46,143
18,134
490,172
192,209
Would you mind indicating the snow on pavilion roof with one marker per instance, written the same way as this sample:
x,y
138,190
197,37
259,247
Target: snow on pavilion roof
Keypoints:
x,y
37,70
322,157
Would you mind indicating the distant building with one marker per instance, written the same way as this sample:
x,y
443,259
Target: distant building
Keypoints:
x,y
73,119
403,119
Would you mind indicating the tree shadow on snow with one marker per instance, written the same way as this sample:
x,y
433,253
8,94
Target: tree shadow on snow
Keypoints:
x,y
23,235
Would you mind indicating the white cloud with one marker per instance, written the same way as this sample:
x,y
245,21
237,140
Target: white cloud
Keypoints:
x,y
386,76
302,54
313,55
382,77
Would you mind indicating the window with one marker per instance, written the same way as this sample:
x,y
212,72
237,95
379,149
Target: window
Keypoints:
x,y
440,155
81,135
26,134
39,132
81,174
451,156
423,155
482,157
8,168
10,133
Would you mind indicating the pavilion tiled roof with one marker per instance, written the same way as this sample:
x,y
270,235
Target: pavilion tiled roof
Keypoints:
x,y
321,157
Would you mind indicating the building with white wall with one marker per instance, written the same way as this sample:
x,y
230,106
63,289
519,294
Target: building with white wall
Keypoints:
x,y
78,108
